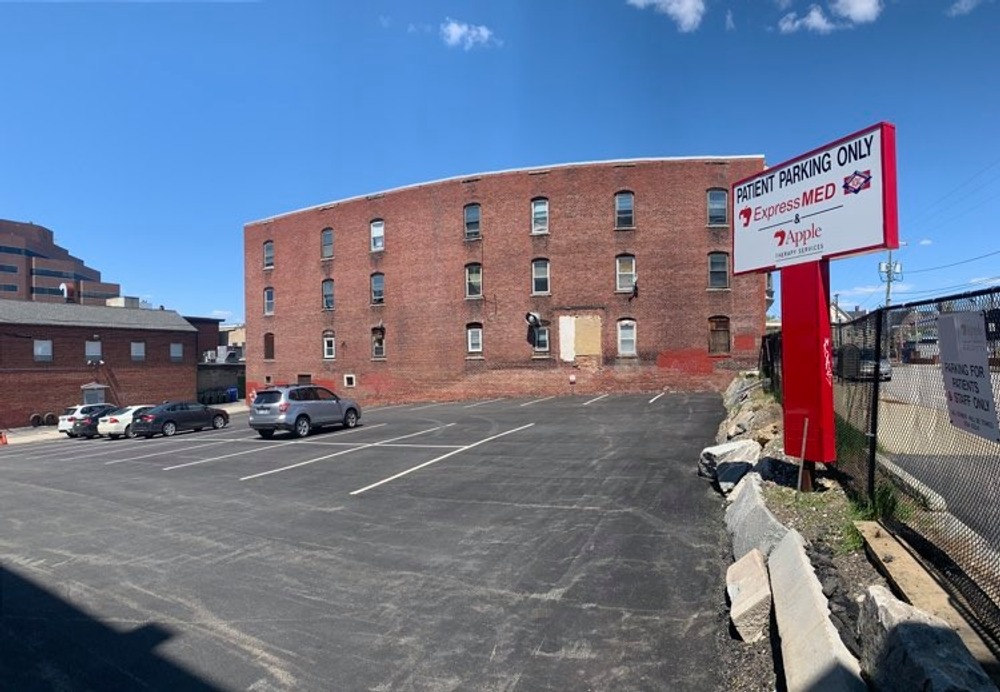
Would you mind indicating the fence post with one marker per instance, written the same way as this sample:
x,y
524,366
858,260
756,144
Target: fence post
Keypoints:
x,y
883,317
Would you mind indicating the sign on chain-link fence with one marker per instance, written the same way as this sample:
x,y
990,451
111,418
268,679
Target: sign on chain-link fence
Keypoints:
x,y
915,396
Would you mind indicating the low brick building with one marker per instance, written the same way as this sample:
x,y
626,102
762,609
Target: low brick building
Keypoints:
x,y
53,355
426,292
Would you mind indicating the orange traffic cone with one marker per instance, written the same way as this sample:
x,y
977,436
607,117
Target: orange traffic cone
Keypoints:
x,y
3,437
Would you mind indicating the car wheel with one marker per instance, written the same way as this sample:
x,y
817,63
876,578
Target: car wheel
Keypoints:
x,y
350,418
219,422
266,434
128,431
302,426
169,428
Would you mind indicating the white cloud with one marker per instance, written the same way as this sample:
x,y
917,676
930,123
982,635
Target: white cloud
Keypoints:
x,y
857,11
961,7
384,21
222,314
926,241
468,36
730,24
986,280
814,20
686,13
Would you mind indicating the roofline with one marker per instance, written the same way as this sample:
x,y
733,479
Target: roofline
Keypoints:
x,y
502,172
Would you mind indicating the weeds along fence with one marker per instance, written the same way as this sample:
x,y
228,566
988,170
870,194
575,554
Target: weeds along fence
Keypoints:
x,y
910,459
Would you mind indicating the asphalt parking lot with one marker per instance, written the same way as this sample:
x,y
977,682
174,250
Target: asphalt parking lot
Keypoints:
x,y
515,544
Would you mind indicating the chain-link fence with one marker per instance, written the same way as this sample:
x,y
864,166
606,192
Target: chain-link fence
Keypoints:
x,y
913,401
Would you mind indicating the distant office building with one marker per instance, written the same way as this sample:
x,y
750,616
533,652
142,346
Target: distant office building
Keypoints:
x,y
33,267
607,276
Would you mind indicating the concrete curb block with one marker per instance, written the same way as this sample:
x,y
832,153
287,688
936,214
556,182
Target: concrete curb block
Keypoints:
x,y
914,488
750,595
749,521
815,658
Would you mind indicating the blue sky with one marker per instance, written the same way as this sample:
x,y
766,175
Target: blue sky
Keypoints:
x,y
145,134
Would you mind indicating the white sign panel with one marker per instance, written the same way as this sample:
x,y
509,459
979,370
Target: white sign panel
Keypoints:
x,y
966,372
837,200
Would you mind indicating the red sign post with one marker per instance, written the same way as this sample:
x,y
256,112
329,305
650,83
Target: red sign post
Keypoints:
x,y
835,201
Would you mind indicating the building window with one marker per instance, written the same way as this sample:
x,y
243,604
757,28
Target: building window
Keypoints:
x,y
541,344
92,350
718,270
625,275
329,345
43,350
624,210
718,334
473,281
326,243
718,207
472,222
138,351
378,342
626,338
176,352
378,289
268,254
378,235
474,337
328,294
539,276
268,301
268,346
540,215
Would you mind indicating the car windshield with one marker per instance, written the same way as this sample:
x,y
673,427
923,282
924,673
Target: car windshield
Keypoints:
x,y
69,410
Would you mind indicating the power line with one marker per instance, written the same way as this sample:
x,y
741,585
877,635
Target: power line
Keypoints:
x,y
955,264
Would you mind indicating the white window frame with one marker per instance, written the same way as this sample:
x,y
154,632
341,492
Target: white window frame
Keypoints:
x,y
42,350
539,216
474,339
477,232
137,350
469,284
716,271
327,305
725,206
323,245
542,344
329,346
269,300
619,197
535,276
377,299
625,278
624,350
377,235
268,251
176,352
92,350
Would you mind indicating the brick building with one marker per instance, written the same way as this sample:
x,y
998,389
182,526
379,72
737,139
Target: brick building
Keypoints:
x,y
53,355
423,292
33,267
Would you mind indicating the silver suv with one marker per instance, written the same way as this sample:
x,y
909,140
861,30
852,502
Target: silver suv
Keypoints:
x,y
301,409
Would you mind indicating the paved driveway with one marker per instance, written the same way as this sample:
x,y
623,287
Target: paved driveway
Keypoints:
x,y
552,544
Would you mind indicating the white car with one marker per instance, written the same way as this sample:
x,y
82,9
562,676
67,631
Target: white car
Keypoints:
x,y
118,423
80,411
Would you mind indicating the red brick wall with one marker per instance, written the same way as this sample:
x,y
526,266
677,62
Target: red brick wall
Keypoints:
x,y
425,311
32,387
208,333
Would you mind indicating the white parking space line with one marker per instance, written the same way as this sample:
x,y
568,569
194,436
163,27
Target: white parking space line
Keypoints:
x,y
656,397
345,451
480,403
529,403
224,456
440,458
165,450
421,408
596,398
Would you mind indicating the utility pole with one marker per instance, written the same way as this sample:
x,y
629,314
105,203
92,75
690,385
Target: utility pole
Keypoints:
x,y
889,271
